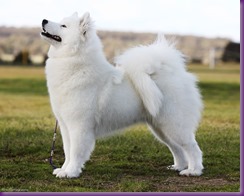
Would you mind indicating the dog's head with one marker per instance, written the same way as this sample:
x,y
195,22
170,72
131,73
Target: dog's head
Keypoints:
x,y
69,32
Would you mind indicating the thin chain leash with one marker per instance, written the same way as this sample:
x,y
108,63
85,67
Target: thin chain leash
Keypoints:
x,y
53,145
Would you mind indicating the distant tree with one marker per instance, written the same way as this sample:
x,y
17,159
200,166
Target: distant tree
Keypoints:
x,y
22,58
231,52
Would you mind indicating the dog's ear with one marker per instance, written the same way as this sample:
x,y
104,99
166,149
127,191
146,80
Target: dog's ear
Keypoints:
x,y
85,23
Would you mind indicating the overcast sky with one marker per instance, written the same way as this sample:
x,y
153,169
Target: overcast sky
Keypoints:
x,y
210,18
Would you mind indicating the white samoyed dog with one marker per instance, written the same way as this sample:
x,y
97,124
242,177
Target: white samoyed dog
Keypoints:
x,y
91,98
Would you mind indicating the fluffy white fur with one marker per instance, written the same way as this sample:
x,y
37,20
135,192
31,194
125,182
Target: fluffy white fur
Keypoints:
x,y
91,98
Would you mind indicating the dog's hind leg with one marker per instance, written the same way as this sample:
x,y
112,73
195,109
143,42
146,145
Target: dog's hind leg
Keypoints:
x,y
180,159
186,152
194,155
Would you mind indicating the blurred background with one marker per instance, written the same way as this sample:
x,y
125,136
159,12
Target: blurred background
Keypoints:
x,y
207,32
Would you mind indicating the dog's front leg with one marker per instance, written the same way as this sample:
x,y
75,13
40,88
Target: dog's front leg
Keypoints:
x,y
66,144
82,143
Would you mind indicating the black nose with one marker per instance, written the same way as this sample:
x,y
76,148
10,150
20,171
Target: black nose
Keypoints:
x,y
44,22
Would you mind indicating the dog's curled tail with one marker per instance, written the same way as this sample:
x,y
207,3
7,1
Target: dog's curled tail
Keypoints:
x,y
142,65
148,91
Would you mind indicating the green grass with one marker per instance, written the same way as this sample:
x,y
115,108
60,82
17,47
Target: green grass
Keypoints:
x,y
132,161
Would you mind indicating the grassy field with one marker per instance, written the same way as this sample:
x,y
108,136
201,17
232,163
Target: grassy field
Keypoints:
x,y
132,161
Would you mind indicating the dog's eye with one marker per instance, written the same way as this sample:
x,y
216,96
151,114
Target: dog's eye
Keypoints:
x,y
63,26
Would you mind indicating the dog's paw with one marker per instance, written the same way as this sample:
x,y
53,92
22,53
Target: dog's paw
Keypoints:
x,y
56,171
176,167
191,172
61,174
66,174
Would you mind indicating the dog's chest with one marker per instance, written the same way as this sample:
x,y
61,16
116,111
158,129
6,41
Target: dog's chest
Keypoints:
x,y
63,76
66,84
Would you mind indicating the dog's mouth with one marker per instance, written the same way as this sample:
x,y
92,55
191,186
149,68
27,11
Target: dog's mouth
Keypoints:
x,y
54,37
